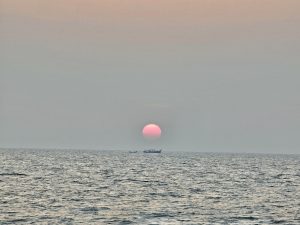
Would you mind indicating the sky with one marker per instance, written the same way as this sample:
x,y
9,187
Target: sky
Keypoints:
x,y
217,76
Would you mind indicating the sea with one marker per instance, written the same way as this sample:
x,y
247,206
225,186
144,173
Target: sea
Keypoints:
x,y
115,187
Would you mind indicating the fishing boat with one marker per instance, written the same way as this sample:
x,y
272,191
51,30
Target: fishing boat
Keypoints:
x,y
152,151
132,151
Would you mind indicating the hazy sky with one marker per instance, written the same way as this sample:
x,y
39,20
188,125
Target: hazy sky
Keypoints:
x,y
217,75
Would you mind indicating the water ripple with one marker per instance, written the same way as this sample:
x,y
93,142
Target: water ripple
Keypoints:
x,y
89,187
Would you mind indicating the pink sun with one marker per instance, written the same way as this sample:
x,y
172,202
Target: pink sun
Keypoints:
x,y
152,131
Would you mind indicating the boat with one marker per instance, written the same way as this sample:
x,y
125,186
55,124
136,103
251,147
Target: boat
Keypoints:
x,y
132,151
152,151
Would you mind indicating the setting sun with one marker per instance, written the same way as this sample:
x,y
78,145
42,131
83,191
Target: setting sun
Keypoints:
x,y
152,131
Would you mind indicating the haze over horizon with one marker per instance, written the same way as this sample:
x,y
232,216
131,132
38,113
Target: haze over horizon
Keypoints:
x,y
215,75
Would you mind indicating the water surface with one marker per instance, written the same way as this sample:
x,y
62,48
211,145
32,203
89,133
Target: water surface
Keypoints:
x,y
94,187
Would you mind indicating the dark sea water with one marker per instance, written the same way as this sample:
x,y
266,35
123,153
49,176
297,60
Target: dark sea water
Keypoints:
x,y
90,187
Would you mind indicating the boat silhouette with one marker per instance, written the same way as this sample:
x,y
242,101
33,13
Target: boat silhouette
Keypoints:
x,y
152,151
132,151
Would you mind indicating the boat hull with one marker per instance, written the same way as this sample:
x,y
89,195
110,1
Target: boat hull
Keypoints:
x,y
152,151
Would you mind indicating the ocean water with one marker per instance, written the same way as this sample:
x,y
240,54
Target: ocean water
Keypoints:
x,y
91,187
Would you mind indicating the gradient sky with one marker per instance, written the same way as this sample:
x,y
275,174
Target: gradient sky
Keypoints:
x,y
217,75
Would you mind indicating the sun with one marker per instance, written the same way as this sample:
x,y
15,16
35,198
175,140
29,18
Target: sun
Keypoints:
x,y
152,131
